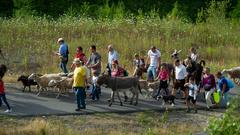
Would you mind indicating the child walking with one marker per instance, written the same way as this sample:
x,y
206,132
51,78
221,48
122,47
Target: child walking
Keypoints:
x,y
192,93
3,98
95,87
163,76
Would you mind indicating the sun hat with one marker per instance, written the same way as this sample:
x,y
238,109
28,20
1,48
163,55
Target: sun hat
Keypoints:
x,y
59,40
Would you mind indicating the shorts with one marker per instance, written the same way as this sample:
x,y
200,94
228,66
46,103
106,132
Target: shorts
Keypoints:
x,y
179,84
190,98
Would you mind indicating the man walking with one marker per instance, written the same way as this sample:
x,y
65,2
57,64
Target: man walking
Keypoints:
x,y
63,54
155,61
79,83
112,56
94,61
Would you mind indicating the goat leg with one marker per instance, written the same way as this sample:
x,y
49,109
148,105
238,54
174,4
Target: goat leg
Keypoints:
x,y
121,104
23,88
137,94
112,97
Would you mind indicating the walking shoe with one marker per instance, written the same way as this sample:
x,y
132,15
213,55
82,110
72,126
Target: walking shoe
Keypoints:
x,y
77,110
82,107
8,111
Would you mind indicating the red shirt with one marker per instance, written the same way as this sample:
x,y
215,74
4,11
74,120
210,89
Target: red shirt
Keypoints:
x,y
81,56
1,87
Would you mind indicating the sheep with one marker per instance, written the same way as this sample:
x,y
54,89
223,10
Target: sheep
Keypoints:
x,y
234,73
44,80
62,85
27,82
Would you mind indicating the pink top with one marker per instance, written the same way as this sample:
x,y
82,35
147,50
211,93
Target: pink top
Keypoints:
x,y
163,75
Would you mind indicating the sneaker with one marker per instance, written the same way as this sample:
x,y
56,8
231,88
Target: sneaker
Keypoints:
x,y
82,107
8,111
172,104
77,110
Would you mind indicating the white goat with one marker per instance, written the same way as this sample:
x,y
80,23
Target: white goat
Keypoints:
x,y
44,80
62,85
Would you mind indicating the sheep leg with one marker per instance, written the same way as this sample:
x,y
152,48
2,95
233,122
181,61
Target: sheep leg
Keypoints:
x,y
125,96
121,104
23,88
133,95
39,91
112,97
29,88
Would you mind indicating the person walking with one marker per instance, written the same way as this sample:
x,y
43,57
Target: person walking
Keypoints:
x,y
79,83
80,55
163,77
112,56
94,61
180,76
224,86
209,85
154,60
63,54
3,98
192,93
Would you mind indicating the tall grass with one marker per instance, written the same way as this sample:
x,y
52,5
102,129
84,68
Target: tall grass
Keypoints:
x,y
29,42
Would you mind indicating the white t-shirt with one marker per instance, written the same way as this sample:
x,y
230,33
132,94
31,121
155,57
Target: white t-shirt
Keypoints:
x,y
180,72
193,90
94,80
112,56
154,57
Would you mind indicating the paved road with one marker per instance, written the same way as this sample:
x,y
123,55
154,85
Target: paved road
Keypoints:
x,y
28,104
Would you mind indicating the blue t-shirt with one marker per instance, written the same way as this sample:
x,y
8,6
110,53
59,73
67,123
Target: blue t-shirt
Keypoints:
x,y
63,50
221,82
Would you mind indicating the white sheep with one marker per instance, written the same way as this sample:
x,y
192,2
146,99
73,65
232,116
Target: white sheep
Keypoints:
x,y
44,80
62,85
234,73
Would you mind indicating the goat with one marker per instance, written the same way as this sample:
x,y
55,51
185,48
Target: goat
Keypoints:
x,y
27,82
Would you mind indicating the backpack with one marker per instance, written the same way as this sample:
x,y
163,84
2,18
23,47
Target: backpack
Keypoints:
x,y
230,83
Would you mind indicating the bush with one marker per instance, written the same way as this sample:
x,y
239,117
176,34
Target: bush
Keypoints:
x,y
229,124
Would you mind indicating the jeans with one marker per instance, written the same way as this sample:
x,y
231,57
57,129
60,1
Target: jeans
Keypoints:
x,y
79,92
63,66
3,97
152,73
226,98
95,92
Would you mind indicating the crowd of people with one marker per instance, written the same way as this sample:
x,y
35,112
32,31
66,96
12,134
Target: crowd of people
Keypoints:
x,y
189,76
